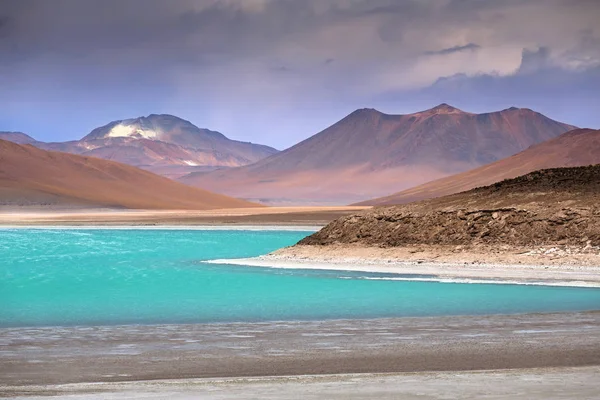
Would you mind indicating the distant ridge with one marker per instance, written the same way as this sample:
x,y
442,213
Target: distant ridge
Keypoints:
x,y
33,177
17,137
161,143
369,153
578,147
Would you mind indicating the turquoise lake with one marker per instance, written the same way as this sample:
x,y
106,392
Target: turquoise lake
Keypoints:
x,y
61,277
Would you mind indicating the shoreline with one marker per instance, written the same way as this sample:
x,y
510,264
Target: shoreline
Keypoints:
x,y
207,227
436,264
261,216
249,351
533,383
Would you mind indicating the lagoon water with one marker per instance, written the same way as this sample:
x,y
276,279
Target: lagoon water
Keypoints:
x,y
62,277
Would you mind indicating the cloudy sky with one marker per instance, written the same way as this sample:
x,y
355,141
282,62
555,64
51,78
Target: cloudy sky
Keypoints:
x,y
278,71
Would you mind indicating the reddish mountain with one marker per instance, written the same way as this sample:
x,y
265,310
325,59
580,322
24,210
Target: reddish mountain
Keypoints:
x,y
578,147
370,153
31,176
163,144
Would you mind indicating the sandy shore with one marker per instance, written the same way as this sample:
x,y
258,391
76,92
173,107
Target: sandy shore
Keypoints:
x,y
63,355
240,216
231,227
535,384
545,266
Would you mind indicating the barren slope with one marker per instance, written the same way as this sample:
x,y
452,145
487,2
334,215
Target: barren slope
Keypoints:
x,y
554,206
369,153
575,148
31,176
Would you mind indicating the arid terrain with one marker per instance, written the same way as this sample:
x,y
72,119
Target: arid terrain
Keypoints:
x,y
553,206
541,226
31,177
369,153
575,148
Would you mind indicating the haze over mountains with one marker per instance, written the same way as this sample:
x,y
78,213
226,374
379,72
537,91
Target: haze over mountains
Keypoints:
x,y
163,144
578,147
33,177
17,137
369,153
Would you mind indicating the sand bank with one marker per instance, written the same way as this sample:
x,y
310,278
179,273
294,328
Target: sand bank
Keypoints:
x,y
303,228
542,266
311,216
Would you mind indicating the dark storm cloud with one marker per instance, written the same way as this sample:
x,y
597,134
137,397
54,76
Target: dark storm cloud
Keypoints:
x,y
75,29
78,27
4,21
454,49
246,66
534,60
207,29
566,95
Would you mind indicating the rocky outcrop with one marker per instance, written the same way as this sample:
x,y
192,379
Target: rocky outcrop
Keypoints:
x,y
514,226
557,206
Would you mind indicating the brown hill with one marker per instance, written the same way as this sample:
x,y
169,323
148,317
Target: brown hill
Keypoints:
x,y
574,148
369,153
31,176
163,144
554,206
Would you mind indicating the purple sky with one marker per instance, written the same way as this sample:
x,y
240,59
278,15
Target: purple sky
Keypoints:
x,y
278,71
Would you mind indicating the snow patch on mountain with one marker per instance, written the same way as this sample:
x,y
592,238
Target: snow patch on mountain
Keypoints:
x,y
122,130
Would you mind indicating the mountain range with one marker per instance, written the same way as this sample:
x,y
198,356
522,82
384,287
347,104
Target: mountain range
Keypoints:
x,y
163,144
30,176
579,147
369,154
366,155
